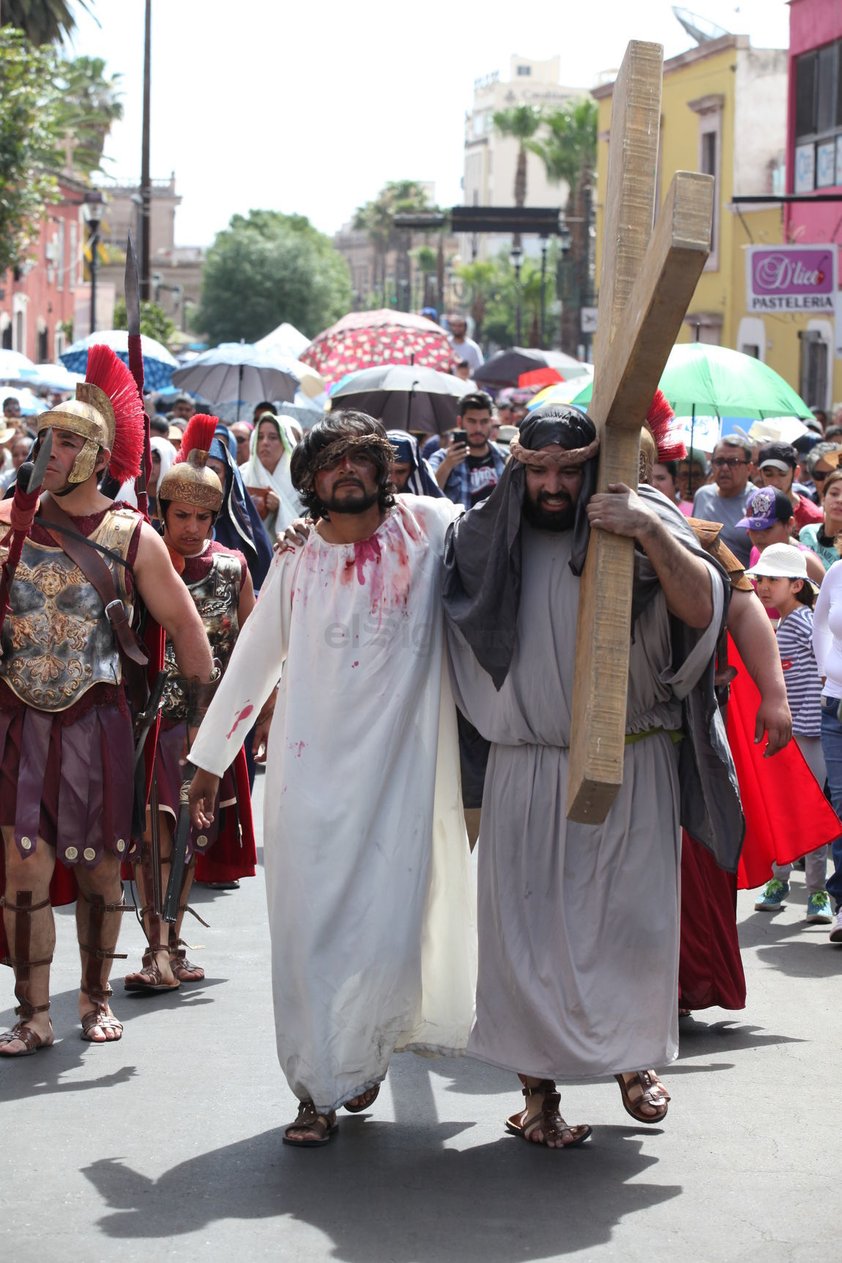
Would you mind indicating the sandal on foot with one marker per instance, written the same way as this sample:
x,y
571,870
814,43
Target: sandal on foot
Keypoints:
x,y
101,1017
549,1121
30,1039
363,1101
645,1088
184,970
149,978
308,1119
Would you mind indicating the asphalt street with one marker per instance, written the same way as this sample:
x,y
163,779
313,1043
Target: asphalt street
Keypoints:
x,y
167,1145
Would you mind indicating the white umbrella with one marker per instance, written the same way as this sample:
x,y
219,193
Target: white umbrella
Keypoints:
x,y
285,340
56,377
237,370
15,367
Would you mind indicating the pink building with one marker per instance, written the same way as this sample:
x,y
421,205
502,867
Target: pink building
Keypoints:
x,y
814,172
38,298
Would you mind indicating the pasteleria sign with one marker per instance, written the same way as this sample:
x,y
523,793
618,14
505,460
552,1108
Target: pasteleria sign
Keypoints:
x,y
791,278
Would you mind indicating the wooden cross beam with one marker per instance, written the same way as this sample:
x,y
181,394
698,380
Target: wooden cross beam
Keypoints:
x,y
646,284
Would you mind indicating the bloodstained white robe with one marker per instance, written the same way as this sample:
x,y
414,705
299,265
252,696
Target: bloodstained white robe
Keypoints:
x,y
369,885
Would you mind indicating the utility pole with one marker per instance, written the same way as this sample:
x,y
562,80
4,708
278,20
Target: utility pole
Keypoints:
x,y
145,182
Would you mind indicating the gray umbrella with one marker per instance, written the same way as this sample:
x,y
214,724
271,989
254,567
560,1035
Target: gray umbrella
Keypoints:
x,y
237,370
403,396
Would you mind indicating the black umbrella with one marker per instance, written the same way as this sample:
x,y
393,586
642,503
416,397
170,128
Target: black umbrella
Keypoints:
x,y
504,368
403,396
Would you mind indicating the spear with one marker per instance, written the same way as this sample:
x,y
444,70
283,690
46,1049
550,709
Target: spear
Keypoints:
x,y
23,509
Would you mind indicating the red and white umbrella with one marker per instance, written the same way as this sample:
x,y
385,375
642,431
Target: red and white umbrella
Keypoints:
x,y
364,339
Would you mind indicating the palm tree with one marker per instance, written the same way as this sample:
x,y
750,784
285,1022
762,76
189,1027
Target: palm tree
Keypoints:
x,y
91,104
42,21
568,151
398,197
520,122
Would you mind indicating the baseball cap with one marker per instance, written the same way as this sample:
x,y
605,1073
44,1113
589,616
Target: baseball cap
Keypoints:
x,y
782,456
780,561
764,508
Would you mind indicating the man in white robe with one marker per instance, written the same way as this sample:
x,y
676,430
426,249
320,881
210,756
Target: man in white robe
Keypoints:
x,y
578,925
367,864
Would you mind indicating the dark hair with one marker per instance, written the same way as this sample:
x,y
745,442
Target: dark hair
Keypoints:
x,y
833,432
264,406
11,399
312,454
477,399
778,451
806,594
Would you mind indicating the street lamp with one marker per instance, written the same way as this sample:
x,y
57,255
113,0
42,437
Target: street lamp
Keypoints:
x,y
93,209
516,257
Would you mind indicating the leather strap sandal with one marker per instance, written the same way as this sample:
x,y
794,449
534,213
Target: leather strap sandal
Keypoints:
x,y
31,1040
644,1088
100,1017
556,1133
183,969
325,1127
363,1101
149,978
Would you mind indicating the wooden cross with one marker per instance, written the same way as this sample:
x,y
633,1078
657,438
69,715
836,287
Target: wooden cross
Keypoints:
x,y
646,284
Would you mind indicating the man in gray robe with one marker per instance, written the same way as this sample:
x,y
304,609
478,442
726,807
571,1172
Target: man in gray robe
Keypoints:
x,y
578,924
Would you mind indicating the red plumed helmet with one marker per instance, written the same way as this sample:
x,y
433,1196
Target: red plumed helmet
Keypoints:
x,y
198,435
108,372
107,412
659,418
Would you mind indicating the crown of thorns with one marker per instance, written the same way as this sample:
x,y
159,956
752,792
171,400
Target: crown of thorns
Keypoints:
x,y
360,444
567,458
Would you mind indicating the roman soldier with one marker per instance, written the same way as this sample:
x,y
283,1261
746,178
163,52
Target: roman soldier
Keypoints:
x,y
217,579
68,654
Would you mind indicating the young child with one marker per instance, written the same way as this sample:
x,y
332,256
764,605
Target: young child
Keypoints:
x,y
782,584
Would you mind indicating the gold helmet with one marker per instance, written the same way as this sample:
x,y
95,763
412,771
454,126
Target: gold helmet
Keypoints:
x,y
188,480
107,413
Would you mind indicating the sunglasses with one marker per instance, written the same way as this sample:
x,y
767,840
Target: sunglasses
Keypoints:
x,y
819,476
731,462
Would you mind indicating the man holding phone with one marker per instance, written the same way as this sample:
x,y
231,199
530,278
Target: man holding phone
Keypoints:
x,y
469,469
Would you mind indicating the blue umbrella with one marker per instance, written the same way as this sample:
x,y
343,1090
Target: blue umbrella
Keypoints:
x,y
158,364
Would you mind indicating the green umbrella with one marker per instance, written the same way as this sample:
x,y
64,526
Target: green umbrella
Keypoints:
x,y
704,380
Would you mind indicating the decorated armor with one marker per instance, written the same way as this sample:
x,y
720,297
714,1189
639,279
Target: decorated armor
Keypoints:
x,y
217,598
57,640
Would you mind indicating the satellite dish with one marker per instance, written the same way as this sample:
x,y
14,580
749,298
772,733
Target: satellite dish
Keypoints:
x,y
698,28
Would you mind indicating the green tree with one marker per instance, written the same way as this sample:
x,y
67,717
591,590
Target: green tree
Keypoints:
x,y
54,114
266,268
377,219
568,151
42,21
520,122
29,142
154,321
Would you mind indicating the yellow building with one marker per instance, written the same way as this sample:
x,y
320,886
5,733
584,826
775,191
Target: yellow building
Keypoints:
x,y
723,112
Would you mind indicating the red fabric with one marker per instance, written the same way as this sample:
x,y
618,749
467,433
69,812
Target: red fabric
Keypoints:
x,y
786,812
710,969
233,856
540,377
805,512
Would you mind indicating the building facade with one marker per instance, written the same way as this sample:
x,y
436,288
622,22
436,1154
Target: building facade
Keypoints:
x,y
38,299
723,112
491,158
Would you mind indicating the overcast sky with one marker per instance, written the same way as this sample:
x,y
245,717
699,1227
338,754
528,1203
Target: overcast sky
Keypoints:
x,y
311,108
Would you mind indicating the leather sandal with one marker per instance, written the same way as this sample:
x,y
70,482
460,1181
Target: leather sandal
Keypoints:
x,y
645,1088
100,1016
548,1121
149,978
308,1119
363,1101
183,969
31,1040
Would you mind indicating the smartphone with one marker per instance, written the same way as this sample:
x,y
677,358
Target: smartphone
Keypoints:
x,y
460,436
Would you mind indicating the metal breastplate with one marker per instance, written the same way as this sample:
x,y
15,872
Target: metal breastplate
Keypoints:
x,y
217,598
56,641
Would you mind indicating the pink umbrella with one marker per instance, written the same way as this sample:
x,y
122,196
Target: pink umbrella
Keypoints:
x,y
364,339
